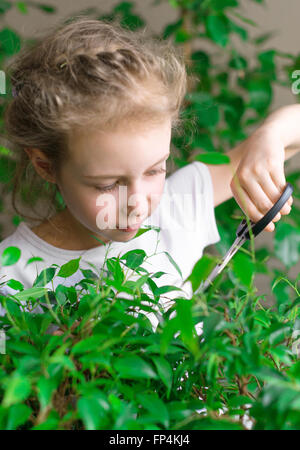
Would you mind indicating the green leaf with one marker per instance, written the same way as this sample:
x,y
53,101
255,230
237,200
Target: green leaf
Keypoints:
x,y
164,371
114,266
46,387
23,348
134,367
7,167
240,400
14,284
87,273
243,268
143,230
266,59
92,409
185,324
44,277
213,158
171,28
18,415
261,39
18,388
4,6
287,244
277,333
16,220
46,8
3,150
10,256
242,32
244,19
238,62
163,289
211,323
262,318
182,35
134,258
87,344
203,142
219,5
173,262
200,271
35,258
218,29
22,7
260,93
35,292
201,62
69,268
205,107
158,411
10,42
51,423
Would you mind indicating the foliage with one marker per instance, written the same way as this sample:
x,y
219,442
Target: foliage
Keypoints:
x,y
109,369
218,361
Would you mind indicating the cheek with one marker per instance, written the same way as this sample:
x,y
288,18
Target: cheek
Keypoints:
x,y
81,200
156,194
85,202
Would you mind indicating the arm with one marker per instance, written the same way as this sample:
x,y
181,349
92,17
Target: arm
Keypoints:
x,y
256,170
222,175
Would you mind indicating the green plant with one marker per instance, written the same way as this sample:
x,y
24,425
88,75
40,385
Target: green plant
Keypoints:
x,y
231,96
110,370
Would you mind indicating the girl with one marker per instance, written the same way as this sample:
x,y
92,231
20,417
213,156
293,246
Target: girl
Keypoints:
x,y
91,119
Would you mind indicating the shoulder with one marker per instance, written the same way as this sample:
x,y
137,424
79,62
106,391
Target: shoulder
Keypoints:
x,y
17,270
192,176
9,241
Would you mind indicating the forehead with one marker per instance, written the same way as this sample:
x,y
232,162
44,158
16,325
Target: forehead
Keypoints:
x,y
92,149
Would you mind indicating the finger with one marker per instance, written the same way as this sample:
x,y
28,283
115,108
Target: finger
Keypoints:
x,y
277,217
246,204
271,192
264,193
279,180
257,194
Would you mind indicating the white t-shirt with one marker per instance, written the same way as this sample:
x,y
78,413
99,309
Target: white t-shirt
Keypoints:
x,y
187,224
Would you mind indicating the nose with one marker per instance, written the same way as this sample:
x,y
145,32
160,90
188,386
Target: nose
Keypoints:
x,y
135,200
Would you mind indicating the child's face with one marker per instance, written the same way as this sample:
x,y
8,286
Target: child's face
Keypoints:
x,y
115,179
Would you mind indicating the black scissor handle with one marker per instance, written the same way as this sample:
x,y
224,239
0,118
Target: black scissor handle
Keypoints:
x,y
263,222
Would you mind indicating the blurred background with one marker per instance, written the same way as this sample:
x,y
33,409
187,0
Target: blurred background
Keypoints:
x,y
244,53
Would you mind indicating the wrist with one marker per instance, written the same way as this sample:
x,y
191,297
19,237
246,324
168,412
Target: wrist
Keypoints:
x,y
283,125
270,135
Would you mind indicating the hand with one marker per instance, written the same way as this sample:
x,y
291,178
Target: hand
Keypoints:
x,y
259,179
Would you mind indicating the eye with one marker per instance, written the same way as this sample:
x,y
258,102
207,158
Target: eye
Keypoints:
x,y
106,188
113,186
155,172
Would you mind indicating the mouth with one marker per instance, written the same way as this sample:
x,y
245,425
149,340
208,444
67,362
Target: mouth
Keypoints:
x,y
129,229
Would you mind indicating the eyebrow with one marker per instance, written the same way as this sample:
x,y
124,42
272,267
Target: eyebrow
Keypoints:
x,y
116,176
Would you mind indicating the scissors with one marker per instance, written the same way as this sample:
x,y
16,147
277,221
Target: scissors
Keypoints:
x,y
243,234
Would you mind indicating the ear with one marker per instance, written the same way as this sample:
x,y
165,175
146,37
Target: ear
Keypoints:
x,y
41,164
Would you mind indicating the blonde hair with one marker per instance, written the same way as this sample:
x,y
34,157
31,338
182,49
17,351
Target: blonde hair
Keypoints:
x,y
86,73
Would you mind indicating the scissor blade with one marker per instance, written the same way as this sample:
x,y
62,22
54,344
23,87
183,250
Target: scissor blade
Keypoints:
x,y
219,267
